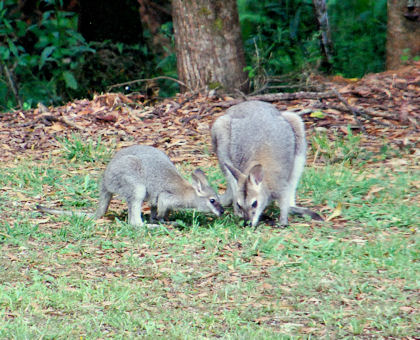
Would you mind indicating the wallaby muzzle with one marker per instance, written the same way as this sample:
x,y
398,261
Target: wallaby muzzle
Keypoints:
x,y
247,222
219,208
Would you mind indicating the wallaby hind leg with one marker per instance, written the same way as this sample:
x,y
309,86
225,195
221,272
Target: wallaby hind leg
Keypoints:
x,y
298,166
300,152
283,204
104,199
135,202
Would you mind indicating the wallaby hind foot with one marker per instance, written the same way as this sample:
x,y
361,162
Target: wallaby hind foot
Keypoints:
x,y
305,211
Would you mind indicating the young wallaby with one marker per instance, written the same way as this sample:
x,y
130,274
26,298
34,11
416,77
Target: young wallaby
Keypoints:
x,y
142,173
262,153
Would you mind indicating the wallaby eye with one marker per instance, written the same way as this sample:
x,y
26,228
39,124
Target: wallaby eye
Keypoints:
x,y
212,200
254,204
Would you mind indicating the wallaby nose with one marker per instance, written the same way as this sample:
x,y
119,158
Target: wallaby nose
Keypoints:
x,y
221,210
247,222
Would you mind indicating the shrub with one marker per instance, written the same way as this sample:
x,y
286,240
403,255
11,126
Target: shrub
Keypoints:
x,y
41,56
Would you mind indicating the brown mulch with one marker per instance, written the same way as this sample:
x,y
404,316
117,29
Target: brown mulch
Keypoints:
x,y
386,106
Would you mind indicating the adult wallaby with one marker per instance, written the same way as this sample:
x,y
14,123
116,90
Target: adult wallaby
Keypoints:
x,y
262,153
142,173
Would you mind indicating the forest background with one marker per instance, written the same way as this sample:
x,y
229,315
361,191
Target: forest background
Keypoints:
x,y
46,58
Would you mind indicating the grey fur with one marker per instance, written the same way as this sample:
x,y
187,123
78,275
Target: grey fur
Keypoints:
x,y
262,153
142,173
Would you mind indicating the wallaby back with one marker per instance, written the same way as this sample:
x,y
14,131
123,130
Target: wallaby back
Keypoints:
x,y
142,173
261,151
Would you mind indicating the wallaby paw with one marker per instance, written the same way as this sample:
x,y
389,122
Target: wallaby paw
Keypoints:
x,y
137,225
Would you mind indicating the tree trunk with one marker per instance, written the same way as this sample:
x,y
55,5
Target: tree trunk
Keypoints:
x,y
403,32
324,28
208,44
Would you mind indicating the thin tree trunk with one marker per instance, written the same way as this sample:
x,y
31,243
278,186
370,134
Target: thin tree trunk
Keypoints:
x,y
208,44
403,32
324,28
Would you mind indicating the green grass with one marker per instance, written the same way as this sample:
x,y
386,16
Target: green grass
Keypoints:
x,y
354,276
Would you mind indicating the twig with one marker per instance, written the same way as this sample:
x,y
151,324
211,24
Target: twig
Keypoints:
x,y
373,113
270,97
63,120
147,80
363,112
186,100
12,86
351,109
204,112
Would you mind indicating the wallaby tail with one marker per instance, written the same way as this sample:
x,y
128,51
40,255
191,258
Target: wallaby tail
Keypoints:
x,y
299,129
64,212
304,211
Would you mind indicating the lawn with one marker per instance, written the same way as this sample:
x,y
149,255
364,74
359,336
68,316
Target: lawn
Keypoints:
x,y
355,275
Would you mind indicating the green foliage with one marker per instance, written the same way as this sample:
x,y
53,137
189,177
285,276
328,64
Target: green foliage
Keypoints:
x,y
50,62
279,36
282,36
359,35
42,56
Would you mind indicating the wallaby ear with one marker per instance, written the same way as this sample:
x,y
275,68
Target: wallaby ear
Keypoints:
x,y
236,173
256,174
199,181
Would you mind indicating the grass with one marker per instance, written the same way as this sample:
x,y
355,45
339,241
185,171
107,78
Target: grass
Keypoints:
x,y
353,276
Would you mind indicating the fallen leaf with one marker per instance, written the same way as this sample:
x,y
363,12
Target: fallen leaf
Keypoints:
x,y
337,212
56,127
317,114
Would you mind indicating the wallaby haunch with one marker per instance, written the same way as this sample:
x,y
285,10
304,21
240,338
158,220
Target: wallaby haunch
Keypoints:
x,y
262,153
142,173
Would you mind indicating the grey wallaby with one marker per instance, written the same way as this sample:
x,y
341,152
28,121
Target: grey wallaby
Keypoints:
x,y
262,153
142,173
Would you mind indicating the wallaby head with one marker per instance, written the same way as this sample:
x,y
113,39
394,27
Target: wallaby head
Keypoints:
x,y
251,193
206,198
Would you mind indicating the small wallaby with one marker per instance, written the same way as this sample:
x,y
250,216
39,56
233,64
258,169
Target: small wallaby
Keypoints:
x,y
262,153
142,173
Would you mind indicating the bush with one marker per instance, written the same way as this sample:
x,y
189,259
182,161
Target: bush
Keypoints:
x,y
279,36
48,61
359,35
282,36
41,57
